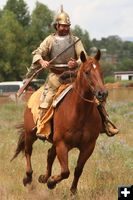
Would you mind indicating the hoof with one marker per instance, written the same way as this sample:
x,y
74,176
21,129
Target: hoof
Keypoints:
x,y
73,191
110,134
51,184
27,181
28,178
42,179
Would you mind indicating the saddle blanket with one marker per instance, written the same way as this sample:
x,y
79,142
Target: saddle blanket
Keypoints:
x,y
43,124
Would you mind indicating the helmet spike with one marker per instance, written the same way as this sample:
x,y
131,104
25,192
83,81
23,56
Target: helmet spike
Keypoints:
x,y
62,18
61,8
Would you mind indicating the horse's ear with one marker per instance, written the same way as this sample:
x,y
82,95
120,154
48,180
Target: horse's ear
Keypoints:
x,y
82,56
98,55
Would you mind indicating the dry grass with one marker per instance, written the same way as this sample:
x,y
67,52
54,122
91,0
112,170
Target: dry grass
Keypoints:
x,y
110,165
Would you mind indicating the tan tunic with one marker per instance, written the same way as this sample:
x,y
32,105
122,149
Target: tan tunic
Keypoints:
x,y
44,52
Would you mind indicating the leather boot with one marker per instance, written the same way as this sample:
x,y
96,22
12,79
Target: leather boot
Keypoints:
x,y
41,114
109,127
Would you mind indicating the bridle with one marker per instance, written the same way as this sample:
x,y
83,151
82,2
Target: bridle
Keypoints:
x,y
85,99
90,86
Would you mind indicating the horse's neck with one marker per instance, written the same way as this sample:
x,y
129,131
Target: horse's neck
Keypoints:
x,y
82,90
82,99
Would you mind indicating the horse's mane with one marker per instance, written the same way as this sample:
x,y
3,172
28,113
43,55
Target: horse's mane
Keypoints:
x,y
68,77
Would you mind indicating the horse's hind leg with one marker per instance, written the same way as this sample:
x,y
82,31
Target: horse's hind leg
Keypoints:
x,y
29,140
83,156
62,154
50,159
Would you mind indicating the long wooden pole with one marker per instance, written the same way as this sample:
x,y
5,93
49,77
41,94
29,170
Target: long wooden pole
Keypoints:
x,y
21,90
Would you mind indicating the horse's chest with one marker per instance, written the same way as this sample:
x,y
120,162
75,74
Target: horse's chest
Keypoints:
x,y
73,137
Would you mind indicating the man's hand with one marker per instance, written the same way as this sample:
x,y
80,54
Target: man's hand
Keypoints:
x,y
72,63
43,63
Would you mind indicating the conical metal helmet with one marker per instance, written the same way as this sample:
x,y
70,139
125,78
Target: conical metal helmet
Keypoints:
x,y
62,18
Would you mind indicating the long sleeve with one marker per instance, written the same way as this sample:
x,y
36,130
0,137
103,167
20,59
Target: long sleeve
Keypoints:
x,y
40,53
43,50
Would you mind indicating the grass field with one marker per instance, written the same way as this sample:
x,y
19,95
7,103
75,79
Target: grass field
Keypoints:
x,y
110,166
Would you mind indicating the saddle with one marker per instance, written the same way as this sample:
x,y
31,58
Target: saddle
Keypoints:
x,y
44,125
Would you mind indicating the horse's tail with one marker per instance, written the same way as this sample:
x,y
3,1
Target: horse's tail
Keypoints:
x,y
21,141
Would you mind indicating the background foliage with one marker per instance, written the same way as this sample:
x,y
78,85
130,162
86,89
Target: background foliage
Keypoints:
x,y
21,32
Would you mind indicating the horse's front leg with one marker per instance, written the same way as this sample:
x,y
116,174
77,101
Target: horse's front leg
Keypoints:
x,y
29,140
84,154
62,154
50,159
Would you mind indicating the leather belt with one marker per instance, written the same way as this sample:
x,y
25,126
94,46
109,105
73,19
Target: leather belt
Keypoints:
x,y
59,65
58,68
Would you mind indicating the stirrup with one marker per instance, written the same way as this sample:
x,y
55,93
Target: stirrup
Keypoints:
x,y
108,132
41,137
34,128
42,112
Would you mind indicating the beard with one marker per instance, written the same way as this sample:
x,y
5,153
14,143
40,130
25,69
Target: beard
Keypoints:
x,y
63,32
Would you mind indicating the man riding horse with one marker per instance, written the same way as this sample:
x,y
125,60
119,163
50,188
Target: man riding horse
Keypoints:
x,y
69,60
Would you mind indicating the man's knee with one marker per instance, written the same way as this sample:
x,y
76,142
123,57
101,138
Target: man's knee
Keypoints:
x,y
54,81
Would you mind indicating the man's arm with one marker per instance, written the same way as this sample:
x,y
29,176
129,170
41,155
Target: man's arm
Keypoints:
x,y
38,55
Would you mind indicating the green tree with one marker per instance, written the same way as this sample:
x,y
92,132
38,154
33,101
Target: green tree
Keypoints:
x,y
20,9
84,36
12,49
127,49
125,64
40,27
107,68
21,33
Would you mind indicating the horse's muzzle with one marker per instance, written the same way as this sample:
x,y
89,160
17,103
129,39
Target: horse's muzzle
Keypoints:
x,y
101,95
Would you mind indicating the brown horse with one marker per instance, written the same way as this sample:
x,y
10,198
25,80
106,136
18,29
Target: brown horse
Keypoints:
x,y
76,123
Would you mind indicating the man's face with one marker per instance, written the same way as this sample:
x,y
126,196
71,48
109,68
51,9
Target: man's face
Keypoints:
x,y
63,29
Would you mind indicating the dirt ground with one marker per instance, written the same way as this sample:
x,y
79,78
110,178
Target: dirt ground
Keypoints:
x,y
113,85
117,85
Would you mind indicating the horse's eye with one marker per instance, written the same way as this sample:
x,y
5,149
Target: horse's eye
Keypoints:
x,y
87,72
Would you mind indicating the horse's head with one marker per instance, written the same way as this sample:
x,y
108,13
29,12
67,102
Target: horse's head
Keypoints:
x,y
92,76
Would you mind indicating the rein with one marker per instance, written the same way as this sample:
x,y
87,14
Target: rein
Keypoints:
x,y
86,100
